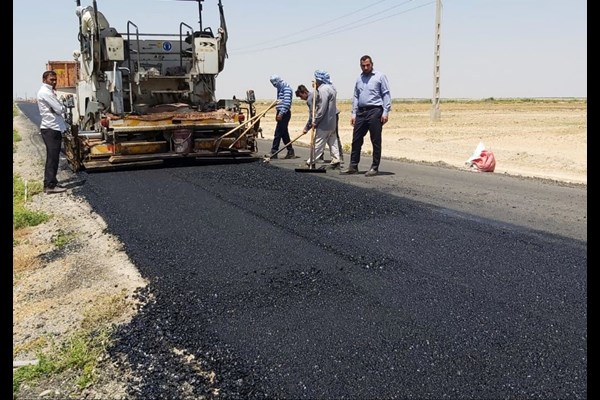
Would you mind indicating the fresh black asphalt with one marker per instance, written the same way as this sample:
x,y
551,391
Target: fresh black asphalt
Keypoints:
x,y
289,286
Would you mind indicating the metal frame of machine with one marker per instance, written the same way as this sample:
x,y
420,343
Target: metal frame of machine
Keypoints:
x,y
142,98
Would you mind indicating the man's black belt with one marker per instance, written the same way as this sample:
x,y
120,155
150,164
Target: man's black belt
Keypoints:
x,y
366,108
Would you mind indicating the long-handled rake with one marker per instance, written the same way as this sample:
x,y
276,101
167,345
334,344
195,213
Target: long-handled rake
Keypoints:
x,y
249,124
268,158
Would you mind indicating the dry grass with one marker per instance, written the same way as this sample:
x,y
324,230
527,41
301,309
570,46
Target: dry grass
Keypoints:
x,y
25,254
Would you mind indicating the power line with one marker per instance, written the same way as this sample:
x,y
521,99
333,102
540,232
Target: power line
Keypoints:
x,y
343,28
352,25
320,25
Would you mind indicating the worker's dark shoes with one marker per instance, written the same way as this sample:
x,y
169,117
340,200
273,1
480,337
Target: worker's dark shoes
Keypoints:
x,y
290,155
333,166
371,172
55,189
271,156
350,170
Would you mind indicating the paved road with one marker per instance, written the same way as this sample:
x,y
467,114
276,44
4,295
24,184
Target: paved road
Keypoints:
x,y
423,282
539,204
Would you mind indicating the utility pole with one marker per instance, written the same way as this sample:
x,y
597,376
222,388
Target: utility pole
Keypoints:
x,y
435,100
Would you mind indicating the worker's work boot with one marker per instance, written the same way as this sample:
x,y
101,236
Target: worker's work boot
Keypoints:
x,y
290,155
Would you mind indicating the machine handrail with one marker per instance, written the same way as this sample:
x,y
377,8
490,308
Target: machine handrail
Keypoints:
x,y
137,41
181,25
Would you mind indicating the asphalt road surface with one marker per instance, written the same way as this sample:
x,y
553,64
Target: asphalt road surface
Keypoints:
x,y
422,282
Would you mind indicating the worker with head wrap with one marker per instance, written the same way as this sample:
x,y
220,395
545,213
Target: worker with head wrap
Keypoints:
x,y
327,81
325,120
284,113
303,93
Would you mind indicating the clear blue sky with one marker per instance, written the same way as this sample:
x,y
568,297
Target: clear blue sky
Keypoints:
x,y
489,48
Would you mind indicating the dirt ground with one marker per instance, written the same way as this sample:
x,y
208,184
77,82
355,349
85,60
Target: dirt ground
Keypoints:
x,y
53,287
539,139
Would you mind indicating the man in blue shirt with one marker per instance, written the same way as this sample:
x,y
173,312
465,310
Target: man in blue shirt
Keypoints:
x,y
284,113
371,105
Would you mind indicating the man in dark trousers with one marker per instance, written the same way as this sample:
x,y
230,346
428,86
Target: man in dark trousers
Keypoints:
x,y
51,128
371,105
284,113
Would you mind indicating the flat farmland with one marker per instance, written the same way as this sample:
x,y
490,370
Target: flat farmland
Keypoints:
x,y
533,138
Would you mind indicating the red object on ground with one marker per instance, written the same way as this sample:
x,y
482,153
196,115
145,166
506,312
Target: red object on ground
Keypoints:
x,y
486,162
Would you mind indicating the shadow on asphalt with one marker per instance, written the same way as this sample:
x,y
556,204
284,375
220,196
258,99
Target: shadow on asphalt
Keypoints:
x,y
161,164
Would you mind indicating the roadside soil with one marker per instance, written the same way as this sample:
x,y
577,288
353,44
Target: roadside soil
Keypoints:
x,y
536,139
53,287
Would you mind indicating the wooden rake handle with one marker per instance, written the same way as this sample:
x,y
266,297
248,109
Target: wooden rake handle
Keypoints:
x,y
268,158
253,121
312,130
